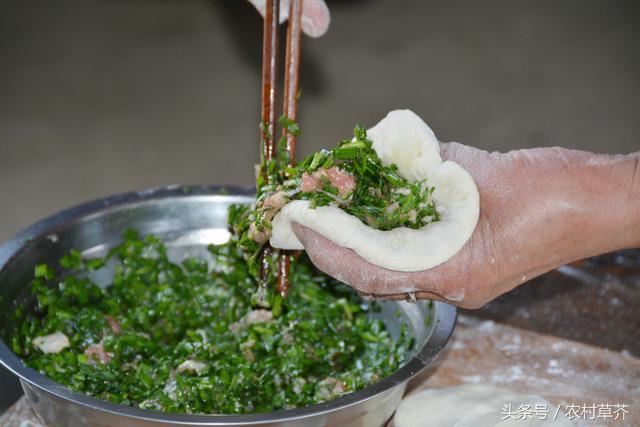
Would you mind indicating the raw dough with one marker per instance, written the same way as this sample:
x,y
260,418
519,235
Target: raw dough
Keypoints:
x,y
401,138
474,405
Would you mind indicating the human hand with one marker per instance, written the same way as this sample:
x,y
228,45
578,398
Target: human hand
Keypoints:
x,y
315,15
539,209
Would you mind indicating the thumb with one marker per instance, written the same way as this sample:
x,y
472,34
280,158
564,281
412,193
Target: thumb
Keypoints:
x,y
376,282
326,255
345,265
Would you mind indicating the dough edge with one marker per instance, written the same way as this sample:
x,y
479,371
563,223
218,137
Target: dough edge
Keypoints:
x,y
400,249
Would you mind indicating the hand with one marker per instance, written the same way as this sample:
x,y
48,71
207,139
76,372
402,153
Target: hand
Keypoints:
x,y
539,209
315,15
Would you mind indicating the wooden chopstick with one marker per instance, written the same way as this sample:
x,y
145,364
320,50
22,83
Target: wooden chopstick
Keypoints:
x,y
290,106
291,68
269,91
290,110
269,77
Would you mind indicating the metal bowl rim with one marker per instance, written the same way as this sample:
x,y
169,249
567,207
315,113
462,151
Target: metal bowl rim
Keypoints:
x,y
445,318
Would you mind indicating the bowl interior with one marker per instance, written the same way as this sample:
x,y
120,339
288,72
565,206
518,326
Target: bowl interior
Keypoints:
x,y
187,219
187,225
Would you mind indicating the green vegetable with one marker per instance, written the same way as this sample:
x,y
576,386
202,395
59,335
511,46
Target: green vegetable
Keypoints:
x,y
382,198
315,344
201,337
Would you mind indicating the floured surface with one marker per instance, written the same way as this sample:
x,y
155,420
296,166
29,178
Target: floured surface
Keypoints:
x,y
20,415
403,139
472,405
562,371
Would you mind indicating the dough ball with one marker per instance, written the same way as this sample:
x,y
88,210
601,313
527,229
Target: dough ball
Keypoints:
x,y
404,139
473,405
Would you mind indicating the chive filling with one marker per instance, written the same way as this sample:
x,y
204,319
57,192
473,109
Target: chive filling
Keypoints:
x,y
193,337
350,176
214,336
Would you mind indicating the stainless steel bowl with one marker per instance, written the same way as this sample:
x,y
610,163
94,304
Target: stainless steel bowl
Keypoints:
x,y
187,219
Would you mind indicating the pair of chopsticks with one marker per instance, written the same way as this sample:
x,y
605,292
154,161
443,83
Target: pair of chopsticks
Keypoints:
x,y
270,49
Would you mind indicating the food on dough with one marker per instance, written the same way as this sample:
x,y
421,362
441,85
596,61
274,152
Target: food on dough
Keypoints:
x,y
387,194
475,405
